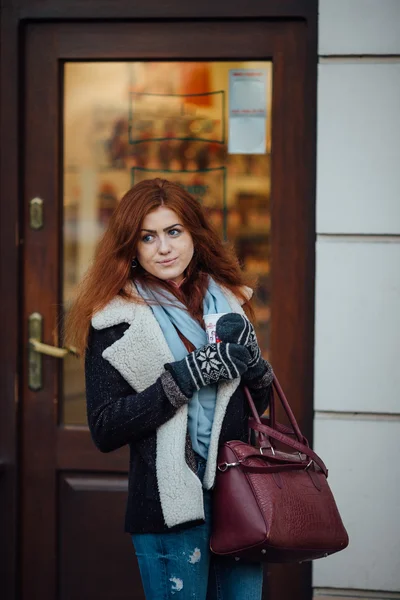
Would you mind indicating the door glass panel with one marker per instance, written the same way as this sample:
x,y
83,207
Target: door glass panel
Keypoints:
x,y
129,121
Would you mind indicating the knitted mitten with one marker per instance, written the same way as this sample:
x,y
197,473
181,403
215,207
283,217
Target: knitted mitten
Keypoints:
x,y
207,365
236,328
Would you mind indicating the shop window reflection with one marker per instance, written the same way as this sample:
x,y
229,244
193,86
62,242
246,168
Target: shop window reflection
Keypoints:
x,y
127,121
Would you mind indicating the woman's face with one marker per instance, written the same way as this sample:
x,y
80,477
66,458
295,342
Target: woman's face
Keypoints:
x,y
165,247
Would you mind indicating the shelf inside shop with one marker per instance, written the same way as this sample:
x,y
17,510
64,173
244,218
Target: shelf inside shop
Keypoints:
x,y
249,184
250,233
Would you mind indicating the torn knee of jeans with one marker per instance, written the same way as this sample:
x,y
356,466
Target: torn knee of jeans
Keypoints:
x,y
177,584
195,556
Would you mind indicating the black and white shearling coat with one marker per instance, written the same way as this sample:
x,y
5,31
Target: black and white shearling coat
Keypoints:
x,y
131,399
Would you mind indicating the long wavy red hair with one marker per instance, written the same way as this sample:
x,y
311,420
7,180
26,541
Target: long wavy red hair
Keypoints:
x,y
111,271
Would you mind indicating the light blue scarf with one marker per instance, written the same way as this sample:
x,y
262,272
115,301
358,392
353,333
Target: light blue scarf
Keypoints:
x,y
171,313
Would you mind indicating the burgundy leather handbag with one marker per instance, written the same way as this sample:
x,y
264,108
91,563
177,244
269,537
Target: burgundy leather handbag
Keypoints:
x,y
272,500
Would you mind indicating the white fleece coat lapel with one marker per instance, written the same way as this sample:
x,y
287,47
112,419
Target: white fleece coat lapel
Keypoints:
x,y
140,356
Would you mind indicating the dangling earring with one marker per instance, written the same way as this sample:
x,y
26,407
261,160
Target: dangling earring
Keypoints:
x,y
134,263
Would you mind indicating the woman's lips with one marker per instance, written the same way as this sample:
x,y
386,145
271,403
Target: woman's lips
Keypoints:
x,y
167,262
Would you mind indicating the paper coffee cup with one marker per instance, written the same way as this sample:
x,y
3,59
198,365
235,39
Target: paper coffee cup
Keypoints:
x,y
211,325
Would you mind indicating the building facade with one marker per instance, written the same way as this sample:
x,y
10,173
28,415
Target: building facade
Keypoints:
x,y
357,324
312,209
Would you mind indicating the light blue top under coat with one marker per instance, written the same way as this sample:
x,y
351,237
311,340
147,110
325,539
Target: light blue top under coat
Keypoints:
x,y
172,315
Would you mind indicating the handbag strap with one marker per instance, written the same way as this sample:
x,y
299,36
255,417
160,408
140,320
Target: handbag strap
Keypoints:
x,y
276,386
273,468
284,439
281,428
281,395
275,458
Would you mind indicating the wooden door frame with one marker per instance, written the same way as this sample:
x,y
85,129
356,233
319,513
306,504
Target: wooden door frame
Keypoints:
x,y
15,13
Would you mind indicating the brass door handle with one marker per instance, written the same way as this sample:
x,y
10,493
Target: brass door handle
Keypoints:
x,y
51,350
35,350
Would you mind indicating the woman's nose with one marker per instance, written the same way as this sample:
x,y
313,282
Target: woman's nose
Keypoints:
x,y
164,245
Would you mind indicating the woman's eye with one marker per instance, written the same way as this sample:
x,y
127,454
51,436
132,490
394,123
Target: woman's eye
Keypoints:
x,y
174,232
147,238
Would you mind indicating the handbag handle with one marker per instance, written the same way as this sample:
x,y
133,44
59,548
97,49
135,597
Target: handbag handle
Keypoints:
x,y
276,387
282,428
286,406
284,439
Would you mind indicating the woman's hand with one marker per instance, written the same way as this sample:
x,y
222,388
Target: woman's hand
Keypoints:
x,y
237,329
208,365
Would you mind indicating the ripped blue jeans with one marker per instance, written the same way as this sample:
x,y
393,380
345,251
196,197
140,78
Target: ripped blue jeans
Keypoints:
x,y
179,565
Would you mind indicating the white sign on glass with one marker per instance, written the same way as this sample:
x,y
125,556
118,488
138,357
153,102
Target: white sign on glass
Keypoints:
x,y
247,111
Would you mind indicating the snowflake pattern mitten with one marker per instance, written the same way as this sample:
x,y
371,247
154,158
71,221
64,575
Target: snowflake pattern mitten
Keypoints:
x,y
236,328
208,365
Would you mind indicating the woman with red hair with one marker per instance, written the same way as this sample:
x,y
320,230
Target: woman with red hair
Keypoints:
x,y
153,381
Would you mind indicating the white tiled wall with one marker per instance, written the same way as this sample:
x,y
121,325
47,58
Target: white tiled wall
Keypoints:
x,y
347,594
358,175
361,456
357,335
359,27
357,347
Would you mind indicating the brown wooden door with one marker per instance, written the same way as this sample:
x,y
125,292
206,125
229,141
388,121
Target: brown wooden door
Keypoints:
x,y
73,497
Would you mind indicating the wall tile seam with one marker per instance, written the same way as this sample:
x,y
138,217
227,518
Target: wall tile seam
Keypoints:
x,y
332,415
326,593
373,238
359,58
